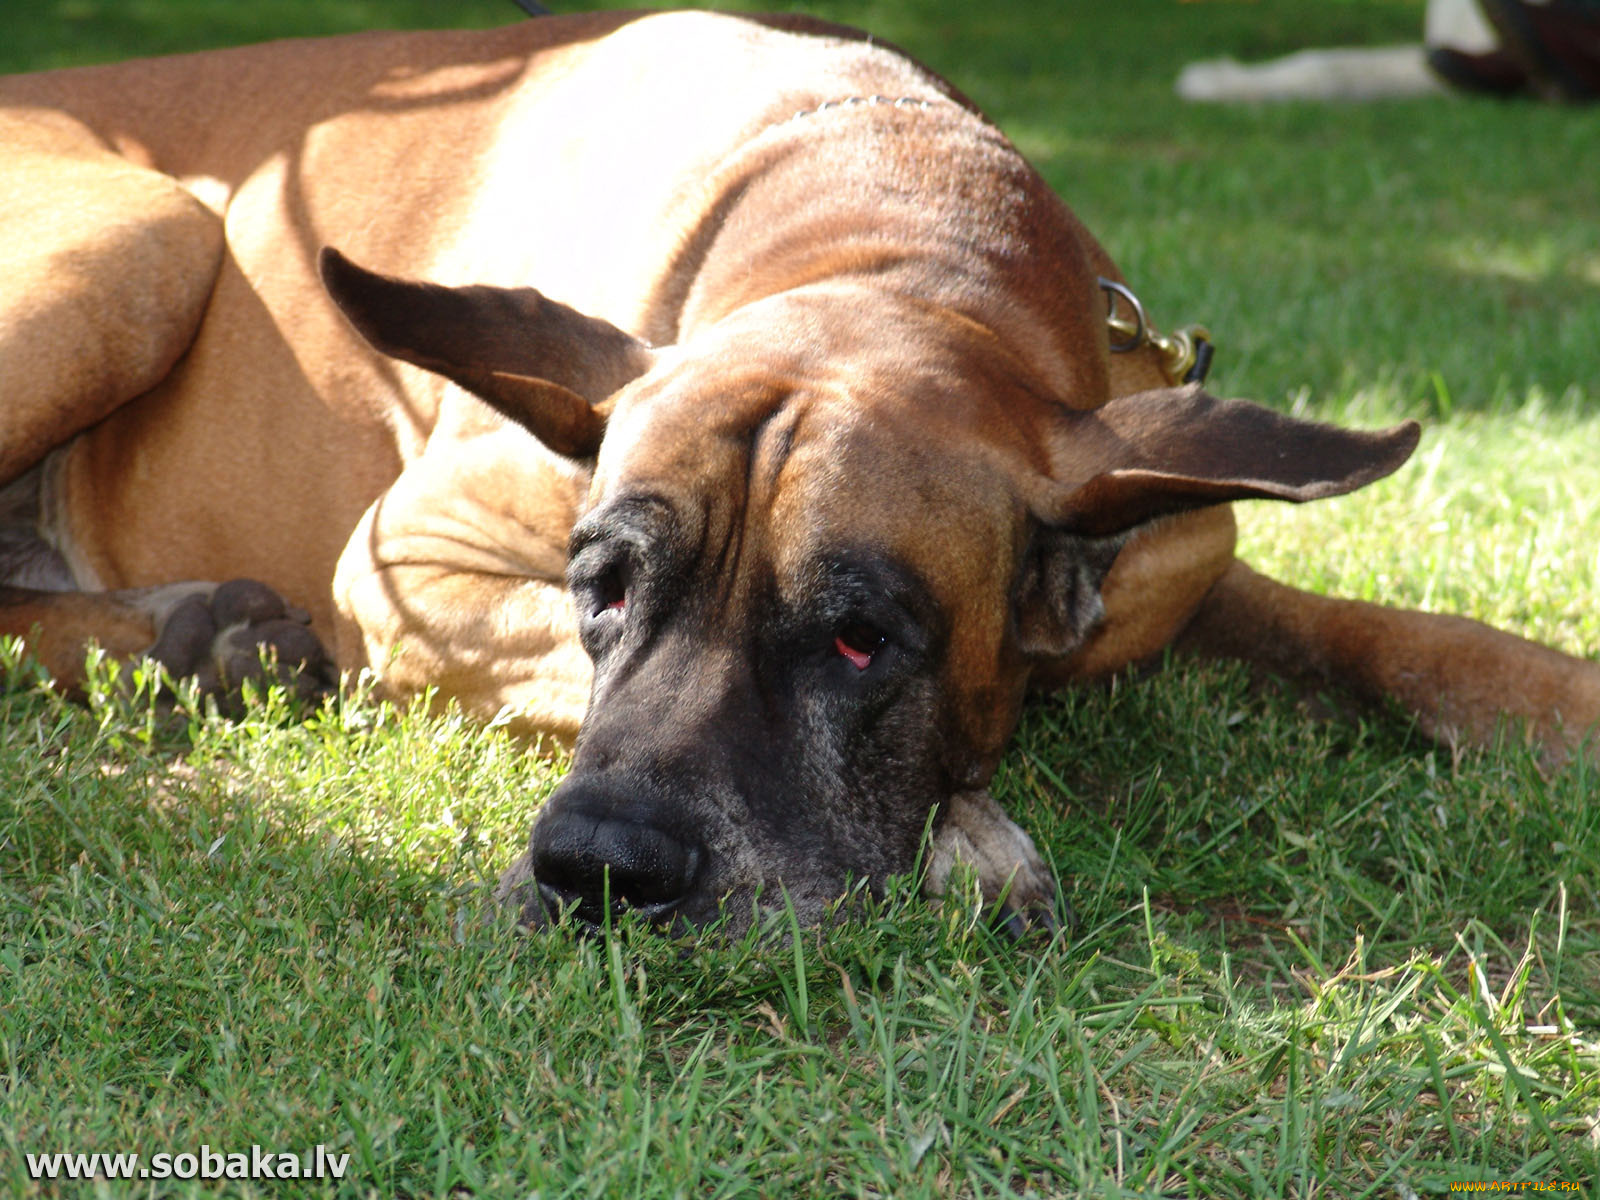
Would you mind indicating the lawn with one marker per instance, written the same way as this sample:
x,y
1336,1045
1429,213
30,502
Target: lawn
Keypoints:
x,y
1315,958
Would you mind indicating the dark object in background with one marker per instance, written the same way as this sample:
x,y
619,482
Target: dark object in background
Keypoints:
x,y
1550,51
1493,73
1557,44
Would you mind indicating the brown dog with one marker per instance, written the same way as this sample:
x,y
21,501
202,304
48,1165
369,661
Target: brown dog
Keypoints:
x,y
837,464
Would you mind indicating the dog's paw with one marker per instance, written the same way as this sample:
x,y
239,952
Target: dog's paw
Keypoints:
x,y
1007,864
221,635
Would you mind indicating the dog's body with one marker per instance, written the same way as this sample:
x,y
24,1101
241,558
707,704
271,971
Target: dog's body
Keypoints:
x,y
866,463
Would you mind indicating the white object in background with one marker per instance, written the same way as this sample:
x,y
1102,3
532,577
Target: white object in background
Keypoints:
x,y
1360,73
1460,25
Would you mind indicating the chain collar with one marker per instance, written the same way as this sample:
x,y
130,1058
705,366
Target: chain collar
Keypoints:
x,y
1186,353
863,101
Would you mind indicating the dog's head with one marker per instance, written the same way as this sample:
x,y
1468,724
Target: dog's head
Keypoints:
x,y
824,547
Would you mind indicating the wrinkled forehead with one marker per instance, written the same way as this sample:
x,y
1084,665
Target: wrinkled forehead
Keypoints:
x,y
691,443
897,488
798,469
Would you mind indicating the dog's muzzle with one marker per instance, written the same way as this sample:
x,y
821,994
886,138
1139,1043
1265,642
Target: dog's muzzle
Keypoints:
x,y
595,852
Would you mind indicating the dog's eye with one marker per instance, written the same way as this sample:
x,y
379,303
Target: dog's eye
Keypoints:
x,y
858,642
610,593
601,592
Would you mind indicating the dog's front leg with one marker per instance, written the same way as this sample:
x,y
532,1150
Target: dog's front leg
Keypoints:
x,y
213,634
1461,679
453,581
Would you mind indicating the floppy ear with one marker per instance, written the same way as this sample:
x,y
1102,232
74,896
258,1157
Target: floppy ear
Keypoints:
x,y
1168,451
546,366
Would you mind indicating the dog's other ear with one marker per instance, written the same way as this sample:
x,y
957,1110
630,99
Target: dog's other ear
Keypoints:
x,y
546,366
1174,449
1156,453
1058,596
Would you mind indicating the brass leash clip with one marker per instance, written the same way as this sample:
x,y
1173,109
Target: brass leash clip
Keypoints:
x,y
1186,352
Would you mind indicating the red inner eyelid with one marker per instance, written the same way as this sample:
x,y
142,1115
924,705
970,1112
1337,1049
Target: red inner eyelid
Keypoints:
x,y
859,659
613,591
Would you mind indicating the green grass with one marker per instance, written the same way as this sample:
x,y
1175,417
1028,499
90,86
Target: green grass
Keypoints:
x,y
1316,958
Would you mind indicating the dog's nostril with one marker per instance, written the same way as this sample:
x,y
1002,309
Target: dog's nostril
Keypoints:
x,y
585,861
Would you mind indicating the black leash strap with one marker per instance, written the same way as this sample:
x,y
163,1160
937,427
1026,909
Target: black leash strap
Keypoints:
x,y
532,7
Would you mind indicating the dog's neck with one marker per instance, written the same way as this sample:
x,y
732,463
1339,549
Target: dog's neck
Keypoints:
x,y
866,194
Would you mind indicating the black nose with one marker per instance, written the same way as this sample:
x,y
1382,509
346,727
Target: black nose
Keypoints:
x,y
586,858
